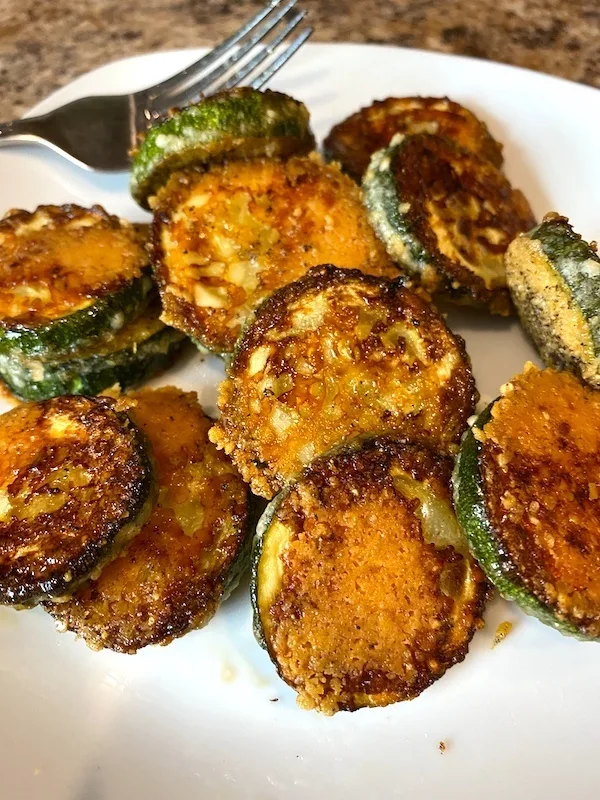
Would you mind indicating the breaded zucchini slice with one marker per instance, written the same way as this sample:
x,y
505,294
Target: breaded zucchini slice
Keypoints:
x,y
527,494
127,358
554,280
363,589
447,216
238,123
76,485
67,275
225,239
334,355
189,554
353,141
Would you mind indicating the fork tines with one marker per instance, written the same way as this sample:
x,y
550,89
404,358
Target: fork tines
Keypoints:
x,y
250,56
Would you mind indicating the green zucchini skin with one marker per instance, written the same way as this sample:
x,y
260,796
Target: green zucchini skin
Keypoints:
x,y
66,334
90,375
262,527
570,267
380,195
240,123
484,542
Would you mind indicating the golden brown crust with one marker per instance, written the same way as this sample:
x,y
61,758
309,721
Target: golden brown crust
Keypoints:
x,y
353,141
465,213
541,472
372,605
59,259
172,577
334,355
223,240
74,481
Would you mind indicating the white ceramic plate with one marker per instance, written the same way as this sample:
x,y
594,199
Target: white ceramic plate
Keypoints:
x,y
198,718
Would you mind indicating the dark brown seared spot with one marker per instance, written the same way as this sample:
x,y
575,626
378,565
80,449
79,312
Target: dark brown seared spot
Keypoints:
x,y
464,212
362,616
353,141
377,358
171,578
74,473
543,490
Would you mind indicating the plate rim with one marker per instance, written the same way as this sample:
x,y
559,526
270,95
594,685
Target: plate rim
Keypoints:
x,y
49,102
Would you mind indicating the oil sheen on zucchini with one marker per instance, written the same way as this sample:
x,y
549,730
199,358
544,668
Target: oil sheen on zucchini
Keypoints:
x,y
223,240
527,495
129,357
554,280
446,216
363,589
67,275
190,553
334,355
76,485
239,123
353,141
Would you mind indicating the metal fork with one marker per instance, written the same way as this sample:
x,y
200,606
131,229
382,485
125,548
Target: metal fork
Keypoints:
x,y
97,133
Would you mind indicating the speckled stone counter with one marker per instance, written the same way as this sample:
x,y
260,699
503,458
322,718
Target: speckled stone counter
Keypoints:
x,y
46,43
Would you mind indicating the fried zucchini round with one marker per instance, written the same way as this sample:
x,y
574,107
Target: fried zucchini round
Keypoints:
x,y
353,141
67,274
554,280
128,357
238,123
447,216
76,484
527,494
190,553
225,239
363,589
334,355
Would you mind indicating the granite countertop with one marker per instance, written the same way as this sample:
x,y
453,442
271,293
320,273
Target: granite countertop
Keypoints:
x,y
46,43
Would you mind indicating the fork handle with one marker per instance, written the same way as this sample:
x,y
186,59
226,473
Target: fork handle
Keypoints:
x,y
19,130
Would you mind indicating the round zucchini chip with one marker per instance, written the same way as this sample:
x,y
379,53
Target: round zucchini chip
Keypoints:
x,y
353,141
76,485
527,494
127,358
363,589
67,274
238,123
334,355
190,553
446,216
225,239
554,280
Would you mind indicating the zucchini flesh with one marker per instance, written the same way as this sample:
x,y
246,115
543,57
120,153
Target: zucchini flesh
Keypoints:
x,y
355,565
239,123
525,489
225,239
189,554
554,279
76,485
67,275
333,355
447,216
135,353
353,141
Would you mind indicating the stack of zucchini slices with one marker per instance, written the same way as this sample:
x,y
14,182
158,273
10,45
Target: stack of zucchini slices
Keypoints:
x,y
78,308
526,483
345,398
436,195
119,516
242,207
344,401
